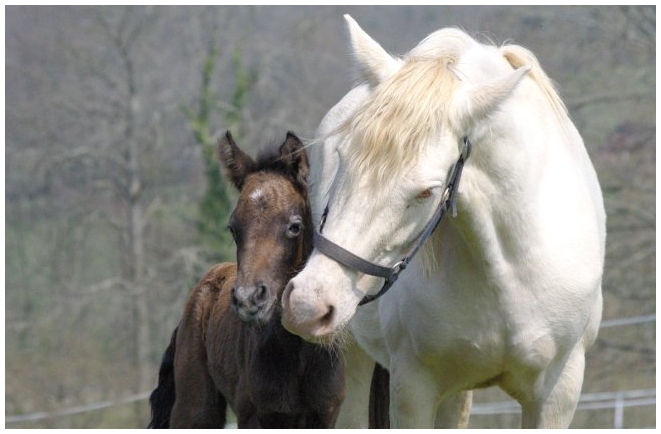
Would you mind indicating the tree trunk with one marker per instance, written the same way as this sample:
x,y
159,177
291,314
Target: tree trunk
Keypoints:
x,y
136,246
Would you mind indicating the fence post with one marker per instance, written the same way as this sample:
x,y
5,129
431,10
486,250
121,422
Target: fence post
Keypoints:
x,y
619,411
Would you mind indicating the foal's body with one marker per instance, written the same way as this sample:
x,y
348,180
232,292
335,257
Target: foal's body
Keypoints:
x,y
270,377
230,346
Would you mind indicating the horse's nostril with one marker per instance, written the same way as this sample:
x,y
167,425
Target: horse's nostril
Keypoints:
x,y
286,294
328,316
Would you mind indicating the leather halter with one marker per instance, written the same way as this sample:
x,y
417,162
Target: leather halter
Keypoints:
x,y
390,274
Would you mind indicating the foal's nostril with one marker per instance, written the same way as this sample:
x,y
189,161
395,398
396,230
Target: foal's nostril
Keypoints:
x,y
235,301
260,292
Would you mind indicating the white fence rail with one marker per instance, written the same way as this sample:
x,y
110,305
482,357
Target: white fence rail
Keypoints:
x,y
618,401
75,410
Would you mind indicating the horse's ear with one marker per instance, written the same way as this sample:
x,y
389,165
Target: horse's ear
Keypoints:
x,y
375,65
477,101
236,163
292,153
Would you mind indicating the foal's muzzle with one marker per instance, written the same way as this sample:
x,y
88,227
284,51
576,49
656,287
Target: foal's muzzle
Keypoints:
x,y
252,303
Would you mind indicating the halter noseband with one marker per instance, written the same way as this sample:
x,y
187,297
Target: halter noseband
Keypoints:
x,y
345,257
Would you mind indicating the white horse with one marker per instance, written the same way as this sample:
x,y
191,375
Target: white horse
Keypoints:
x,y
506,293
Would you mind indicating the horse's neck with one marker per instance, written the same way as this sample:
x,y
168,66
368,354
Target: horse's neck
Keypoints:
x,y
511,164
529,196
514,150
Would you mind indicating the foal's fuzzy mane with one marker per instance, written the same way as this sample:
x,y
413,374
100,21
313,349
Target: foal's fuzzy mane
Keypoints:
x,y
270,160
294,166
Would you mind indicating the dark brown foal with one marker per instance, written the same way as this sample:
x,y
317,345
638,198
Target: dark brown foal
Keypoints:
x,y
230,347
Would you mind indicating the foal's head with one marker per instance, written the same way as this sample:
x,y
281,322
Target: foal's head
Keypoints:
x,y
270,224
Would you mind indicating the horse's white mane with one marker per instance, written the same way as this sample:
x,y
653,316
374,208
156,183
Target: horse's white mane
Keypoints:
x,y
518,56
408,108
451,41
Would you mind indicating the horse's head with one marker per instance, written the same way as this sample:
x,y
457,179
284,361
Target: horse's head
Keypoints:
x,y
270,224
396,149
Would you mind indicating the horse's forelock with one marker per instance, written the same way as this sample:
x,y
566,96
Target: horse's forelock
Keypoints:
x,y
400,116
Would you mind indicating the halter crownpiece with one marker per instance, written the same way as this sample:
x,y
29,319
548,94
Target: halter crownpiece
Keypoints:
x,y
390,274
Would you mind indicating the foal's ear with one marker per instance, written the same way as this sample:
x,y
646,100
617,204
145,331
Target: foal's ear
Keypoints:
x,y
236,163
293,155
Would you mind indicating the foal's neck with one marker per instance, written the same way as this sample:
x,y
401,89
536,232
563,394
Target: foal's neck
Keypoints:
x,y
275,334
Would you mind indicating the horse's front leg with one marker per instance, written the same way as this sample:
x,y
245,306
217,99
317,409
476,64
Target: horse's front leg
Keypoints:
x,y
358,369
413,396
558,390
454,411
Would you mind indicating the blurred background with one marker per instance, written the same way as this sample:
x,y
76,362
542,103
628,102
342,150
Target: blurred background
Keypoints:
x,y
114,206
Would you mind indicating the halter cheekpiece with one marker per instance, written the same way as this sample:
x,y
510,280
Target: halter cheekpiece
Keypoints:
x,y
390,274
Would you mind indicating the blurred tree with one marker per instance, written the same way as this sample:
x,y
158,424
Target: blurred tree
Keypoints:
x,y
123,31
97,139
217,201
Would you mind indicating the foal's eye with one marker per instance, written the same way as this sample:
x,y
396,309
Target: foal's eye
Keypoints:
x,y
232,231
295,227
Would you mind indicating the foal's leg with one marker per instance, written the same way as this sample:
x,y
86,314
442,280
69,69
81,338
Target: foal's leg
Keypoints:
x,y
198,403
358,369
201,406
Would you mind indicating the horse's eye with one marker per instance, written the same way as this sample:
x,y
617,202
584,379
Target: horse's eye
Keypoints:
x,y
425,194
295,227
